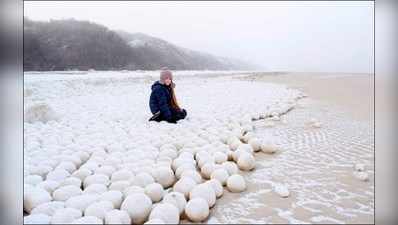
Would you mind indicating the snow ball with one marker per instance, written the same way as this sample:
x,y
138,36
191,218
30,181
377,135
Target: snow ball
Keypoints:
x,y
184,185
186,155
246,161
66,192
65,216
116,197
197,209
71,181
247,137
117,217
68,166
33,197
37,219
207,169
255,143
230,167
245,147
177,199
33,179
138,212
363,176
220,157
182,168
154,191
195,175
39,111
133,190
122,174
171,153
84,156
155,221
164,176
48,208
179,161
166,212
119,185
220,175
234,145
81,202
98,209
107,170
41,170
58,175
143,179
96,179
268,123
359,167
269,147
95,189
217,187
281,190
236,183
87,220
82,173
204,191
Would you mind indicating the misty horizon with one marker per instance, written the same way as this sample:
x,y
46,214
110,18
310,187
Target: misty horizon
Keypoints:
x,y
286,36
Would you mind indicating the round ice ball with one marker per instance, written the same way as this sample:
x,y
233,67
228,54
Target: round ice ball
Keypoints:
x,y
138,206
246,162
220,175
166,212
197,209
184,186
177,199
117,217
154,191
236,183
204,191
217,187
164,176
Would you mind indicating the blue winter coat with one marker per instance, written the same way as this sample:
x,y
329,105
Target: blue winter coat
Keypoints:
x,y
160,100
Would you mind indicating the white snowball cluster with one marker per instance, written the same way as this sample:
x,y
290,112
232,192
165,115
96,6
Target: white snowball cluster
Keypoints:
x,y
99,209
39,111
33,197
65,216
115,167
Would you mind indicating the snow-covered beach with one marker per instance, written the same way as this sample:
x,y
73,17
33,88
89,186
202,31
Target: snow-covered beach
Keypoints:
x,y
97,122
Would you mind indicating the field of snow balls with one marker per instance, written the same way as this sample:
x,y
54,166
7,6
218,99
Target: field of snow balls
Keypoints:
x,y
91,156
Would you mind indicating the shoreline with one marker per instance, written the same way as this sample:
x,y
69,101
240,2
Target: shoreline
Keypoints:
x,y
354,93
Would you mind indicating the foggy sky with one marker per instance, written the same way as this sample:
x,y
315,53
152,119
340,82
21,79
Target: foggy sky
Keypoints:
x,y
283,36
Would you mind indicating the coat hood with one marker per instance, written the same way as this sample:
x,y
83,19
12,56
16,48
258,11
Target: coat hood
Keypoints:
x,y
156,84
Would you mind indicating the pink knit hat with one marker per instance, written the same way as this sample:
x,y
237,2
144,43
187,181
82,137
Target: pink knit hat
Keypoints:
x,y
165,74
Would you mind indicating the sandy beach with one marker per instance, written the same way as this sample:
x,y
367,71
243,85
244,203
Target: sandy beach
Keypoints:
x,y
319,171
106,116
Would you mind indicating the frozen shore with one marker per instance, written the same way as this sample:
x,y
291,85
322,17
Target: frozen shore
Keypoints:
x,y
108,114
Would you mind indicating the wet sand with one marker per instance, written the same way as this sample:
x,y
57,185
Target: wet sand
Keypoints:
x,y
352,92
315,164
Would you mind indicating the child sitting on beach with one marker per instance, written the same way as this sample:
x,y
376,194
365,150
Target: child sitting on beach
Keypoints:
x,y
163,102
